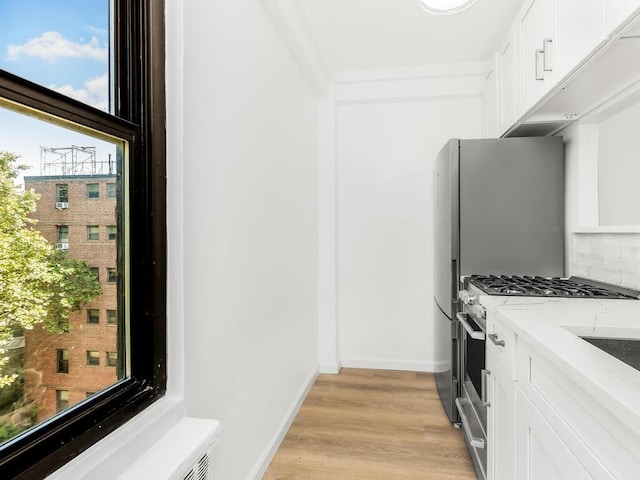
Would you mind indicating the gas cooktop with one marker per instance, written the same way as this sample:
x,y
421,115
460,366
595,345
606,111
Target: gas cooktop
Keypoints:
x,y
525,286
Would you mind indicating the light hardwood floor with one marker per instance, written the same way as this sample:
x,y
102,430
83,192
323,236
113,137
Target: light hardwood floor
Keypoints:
x,y
372,425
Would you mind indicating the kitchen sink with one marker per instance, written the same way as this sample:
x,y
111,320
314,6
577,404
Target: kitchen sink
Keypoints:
x,y
624,349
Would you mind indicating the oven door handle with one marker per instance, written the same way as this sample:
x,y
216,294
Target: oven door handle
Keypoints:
x,y
475,334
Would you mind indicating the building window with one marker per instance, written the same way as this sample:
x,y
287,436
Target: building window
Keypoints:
x,y
93,358
62,235
95,271
112,232
93,316
128,116
93,232
112,317
62,193
62,360
112,359
89,394
93,190
62,400
112,275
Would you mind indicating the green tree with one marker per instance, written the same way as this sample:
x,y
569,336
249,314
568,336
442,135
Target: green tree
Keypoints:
x,y
38,284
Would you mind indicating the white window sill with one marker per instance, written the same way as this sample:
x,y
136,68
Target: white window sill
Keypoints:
x,y
114,454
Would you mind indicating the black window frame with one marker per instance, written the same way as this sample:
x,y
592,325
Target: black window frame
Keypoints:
x,y
139,119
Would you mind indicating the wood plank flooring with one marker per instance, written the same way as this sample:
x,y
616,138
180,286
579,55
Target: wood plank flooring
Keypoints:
x,y
372,425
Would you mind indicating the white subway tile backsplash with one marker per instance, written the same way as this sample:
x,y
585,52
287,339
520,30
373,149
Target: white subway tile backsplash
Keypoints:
x,y
607,257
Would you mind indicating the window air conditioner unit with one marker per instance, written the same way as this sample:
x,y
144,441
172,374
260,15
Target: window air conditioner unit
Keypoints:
x,y
62,205
63,245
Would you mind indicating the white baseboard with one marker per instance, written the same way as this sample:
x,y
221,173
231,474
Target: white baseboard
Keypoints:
x,y
265,459
332,368
392,364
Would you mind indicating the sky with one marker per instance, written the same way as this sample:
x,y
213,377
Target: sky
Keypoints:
x,y
63,45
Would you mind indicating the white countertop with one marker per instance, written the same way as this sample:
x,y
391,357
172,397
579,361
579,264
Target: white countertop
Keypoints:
x,y
552,326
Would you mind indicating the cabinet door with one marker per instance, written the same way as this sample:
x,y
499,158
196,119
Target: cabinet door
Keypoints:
x,y
541,454
538,39
491,102
501,426
580,31
506,68
617,12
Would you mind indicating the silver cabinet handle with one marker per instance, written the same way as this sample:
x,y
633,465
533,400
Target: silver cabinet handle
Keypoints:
x,y
476,335
539,64
547,57
494,339
483,387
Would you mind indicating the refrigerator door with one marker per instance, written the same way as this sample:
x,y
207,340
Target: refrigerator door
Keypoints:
x,y
445,224
447,357
445,179
512,206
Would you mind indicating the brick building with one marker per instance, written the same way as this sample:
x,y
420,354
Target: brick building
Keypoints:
x,y
77,213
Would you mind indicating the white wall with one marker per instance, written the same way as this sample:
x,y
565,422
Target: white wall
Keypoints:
x,y
619,168
388,132
250,227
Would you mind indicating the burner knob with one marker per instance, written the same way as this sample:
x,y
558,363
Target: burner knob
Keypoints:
x,y
471,300
463,295
479,311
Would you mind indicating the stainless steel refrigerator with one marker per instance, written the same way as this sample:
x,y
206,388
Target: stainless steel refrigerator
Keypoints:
x,y
498,209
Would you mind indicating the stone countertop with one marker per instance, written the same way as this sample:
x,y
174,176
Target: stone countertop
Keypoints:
x,y
552,326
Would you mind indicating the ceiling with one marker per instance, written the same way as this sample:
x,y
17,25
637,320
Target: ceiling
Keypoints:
x,y
372,34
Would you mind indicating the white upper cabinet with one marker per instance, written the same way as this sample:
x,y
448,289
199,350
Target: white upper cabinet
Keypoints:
x,y
556,36
616,12
506,70
537,24
491,102
580,31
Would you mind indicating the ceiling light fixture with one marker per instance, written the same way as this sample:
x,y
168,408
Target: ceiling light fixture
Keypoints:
x,y
445,7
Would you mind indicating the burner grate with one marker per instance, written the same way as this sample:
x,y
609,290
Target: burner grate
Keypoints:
x,y
574,287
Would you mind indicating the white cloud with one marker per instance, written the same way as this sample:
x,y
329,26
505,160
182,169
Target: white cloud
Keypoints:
x,y
94,93
52,46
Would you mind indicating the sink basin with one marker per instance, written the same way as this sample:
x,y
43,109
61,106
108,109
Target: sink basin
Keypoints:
x,y
624,349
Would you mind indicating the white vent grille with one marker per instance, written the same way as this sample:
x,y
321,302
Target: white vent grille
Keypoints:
x,y
62,205
188,451
204,468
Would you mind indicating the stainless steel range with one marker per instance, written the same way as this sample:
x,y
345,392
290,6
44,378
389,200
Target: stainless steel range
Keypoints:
x,y
472,403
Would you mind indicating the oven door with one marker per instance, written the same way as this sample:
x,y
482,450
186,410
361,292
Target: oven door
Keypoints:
x,y
471,405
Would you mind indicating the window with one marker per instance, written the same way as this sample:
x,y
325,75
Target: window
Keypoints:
x,y
95,271
93,358
112,232
62,235
62,193
63,361
122,118
93,316
93,190
112,359
93,232
88,394
62,400
112,318
112,275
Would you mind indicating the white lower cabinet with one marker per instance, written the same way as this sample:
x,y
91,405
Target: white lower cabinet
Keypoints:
x,y
500,417
541,425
